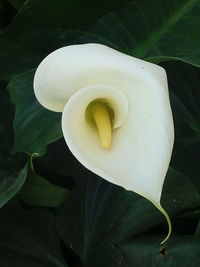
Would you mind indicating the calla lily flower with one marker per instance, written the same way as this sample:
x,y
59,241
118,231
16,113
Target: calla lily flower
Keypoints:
x,y
116,115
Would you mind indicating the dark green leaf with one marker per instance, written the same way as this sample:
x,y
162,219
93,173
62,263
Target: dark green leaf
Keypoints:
x,y
6,129
29,238
37,191
184,83
181,251
185,97
10,183
34,126
42,26
12,170
156,30
179,193
99,214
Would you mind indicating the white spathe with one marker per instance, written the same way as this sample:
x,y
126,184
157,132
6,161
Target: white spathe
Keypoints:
x,y
72,77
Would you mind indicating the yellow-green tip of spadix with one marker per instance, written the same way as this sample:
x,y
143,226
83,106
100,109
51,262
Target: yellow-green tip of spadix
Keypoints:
x,y
103,123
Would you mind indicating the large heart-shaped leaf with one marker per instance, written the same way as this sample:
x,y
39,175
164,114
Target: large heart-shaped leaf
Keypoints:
x,y
100,215
156,30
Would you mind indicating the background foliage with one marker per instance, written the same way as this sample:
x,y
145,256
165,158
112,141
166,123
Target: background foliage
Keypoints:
x,y
57,212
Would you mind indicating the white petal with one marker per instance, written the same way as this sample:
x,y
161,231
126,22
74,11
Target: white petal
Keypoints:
x,y
141,149
71,77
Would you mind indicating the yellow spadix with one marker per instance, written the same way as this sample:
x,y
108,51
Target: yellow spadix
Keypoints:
x,y
102,118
